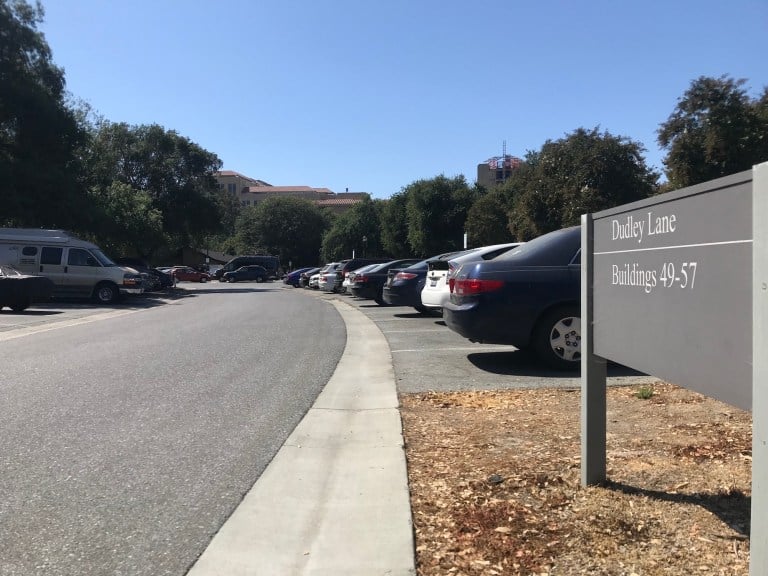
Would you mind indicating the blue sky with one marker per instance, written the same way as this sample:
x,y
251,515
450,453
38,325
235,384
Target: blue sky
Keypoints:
x,y
371,95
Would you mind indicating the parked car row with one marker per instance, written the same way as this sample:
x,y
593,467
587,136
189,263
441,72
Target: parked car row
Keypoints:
x,y
522,294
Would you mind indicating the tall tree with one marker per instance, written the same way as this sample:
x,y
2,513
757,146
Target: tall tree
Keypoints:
x,y
394,226
39,135
177,175
357,230
487,220
586,171
436,212
716,129
290,228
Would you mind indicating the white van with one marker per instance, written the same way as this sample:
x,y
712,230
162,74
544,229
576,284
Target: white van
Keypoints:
x,y
78,268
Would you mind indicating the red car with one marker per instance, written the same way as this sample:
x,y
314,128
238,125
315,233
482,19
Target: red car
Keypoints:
x,y
187,274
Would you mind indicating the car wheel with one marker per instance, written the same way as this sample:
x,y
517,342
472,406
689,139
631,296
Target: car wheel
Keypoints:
x,y
106,293
203,280
557,338
259,279
20,305
422,309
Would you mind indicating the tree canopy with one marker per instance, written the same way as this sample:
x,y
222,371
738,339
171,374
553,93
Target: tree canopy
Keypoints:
x,y
290,228
436,211
716,129
356,230
168,175
586,171
39,135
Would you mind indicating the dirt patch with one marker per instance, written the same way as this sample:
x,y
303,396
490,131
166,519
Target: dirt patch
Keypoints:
x,y
495,484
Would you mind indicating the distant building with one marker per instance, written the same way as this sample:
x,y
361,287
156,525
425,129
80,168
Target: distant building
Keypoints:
x,y
250,191
497,170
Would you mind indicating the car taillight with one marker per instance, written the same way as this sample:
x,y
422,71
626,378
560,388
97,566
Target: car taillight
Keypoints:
x,y
360,278
404,276
451,282
470,286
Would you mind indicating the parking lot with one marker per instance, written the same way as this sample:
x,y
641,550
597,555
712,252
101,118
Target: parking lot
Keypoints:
x,y
429,356
426,354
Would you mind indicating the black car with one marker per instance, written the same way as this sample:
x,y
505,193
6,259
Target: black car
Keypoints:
x,y
370,283
306,275
253,272
19,291
351,264
528,297
403,285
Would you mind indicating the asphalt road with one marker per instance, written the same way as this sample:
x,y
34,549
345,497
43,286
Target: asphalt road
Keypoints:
x,y
129,434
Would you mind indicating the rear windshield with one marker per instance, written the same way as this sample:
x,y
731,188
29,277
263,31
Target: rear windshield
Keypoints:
x,y
554,249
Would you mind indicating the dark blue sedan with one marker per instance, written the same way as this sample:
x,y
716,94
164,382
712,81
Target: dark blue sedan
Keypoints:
x,y
292,278
528,297
403,285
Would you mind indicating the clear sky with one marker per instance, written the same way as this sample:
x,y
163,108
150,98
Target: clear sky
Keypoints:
x,y
371,95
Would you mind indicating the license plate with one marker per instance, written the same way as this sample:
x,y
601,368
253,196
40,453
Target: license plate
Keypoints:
x,y
433,282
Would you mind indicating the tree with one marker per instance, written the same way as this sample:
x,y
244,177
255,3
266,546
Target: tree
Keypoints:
x,y
39,135
487,220
177,176
436,211
587,171
357,230
394,226
716,129
290,228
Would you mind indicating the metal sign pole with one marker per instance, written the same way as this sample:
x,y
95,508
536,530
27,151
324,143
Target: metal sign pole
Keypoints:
x,y
758,546
593,370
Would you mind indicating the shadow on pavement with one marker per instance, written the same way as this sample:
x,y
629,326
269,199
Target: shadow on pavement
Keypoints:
x,y
525,363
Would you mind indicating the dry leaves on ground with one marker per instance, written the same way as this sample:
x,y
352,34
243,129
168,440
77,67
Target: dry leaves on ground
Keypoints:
x,y
495,484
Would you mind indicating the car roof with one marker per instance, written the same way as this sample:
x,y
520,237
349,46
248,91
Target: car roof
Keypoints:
x,y
553,249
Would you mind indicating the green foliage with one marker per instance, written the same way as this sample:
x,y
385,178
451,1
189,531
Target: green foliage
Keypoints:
x,y
436,211
394,226
175,174
356,230
586,171
715,130
39,136
290,228
487,220
645,392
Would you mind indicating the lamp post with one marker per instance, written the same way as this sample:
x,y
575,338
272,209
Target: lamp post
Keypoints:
x,y
365,245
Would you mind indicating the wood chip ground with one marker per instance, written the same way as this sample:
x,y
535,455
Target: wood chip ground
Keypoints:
x,y
495,484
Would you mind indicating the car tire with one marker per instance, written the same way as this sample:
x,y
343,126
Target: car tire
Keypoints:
x,y
106,293
422,310
557,338
203,280
20,305
259,279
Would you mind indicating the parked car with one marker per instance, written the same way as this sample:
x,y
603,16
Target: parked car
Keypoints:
x,y
349,277
153,279
436,291
253,272
369,282
187,274
350,265
326,279
293,277
528,297
403,285
306,275
19,291
312,282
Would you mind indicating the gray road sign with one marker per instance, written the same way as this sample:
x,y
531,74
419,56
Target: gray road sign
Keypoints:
x,y
672,279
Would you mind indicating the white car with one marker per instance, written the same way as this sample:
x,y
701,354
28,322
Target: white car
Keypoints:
x,y
437,291
326,279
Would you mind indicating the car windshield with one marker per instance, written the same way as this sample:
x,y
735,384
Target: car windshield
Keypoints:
x,y
103,259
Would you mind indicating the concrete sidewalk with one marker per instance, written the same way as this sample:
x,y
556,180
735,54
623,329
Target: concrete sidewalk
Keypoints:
x,y
334,501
